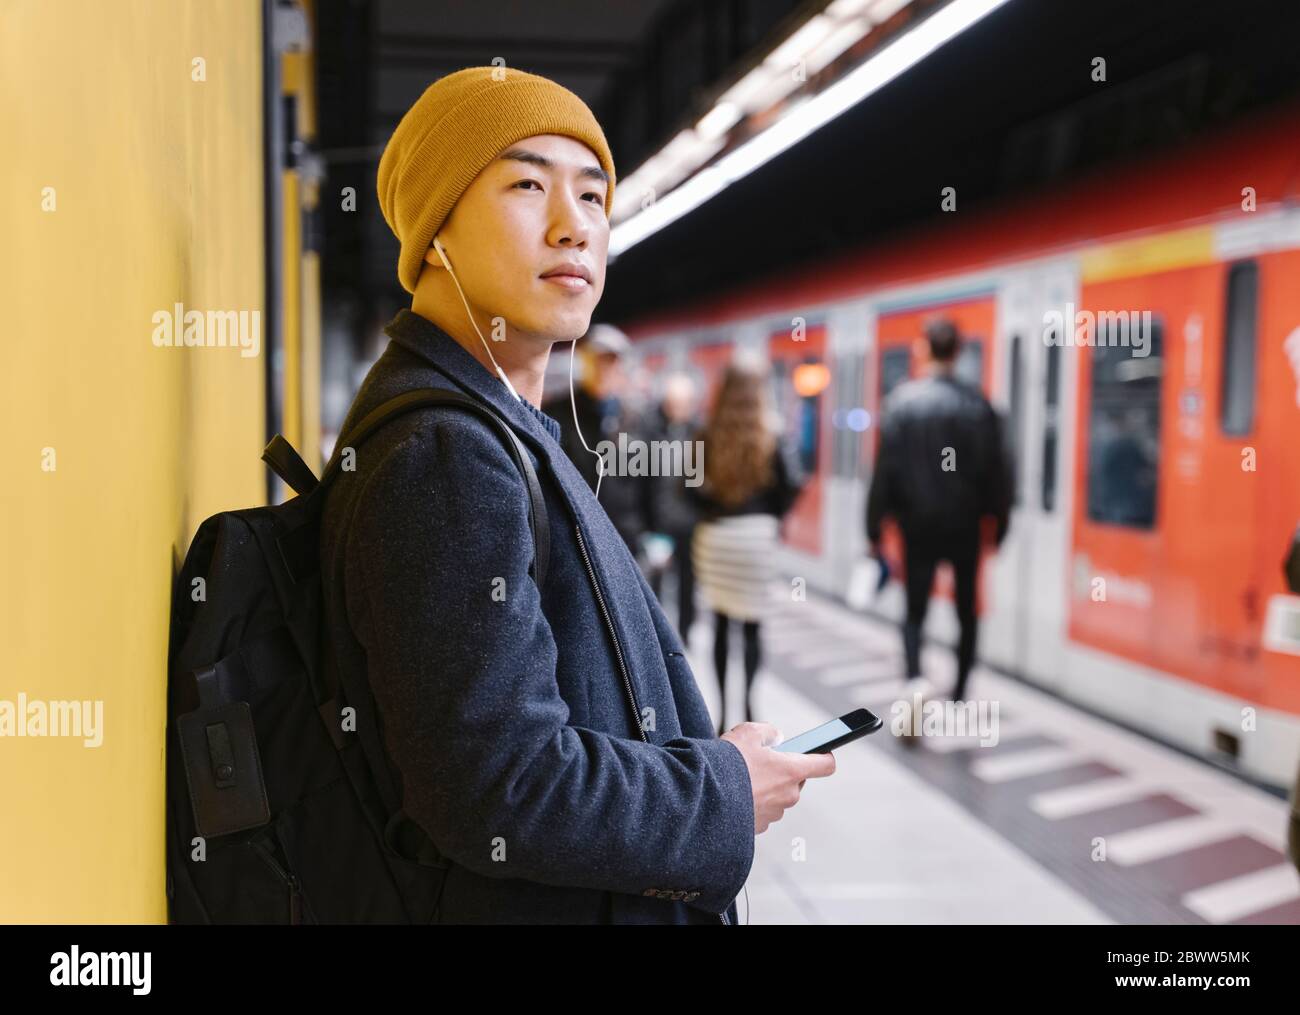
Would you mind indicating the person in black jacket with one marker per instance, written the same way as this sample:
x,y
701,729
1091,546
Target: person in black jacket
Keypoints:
x,y
751,480
940,470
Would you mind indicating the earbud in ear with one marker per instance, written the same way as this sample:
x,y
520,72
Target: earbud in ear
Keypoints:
x,y
442,254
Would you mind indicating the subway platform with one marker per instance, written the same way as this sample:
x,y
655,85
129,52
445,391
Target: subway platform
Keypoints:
x,y
1065,819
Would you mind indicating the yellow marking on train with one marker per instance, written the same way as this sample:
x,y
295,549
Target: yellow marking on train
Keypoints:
x,y
1180,248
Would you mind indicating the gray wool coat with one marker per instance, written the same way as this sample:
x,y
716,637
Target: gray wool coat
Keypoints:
x,y
506,710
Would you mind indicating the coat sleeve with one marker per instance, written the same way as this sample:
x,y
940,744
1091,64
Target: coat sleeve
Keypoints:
x,y
462,665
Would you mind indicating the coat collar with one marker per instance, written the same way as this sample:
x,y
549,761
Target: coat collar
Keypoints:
x,y
431,345
425,339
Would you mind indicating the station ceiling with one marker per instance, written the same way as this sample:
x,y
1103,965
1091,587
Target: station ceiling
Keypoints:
x,y
1009,106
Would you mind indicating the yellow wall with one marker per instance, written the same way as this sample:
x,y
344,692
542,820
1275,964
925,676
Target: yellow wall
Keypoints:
x,y
302,326
158,180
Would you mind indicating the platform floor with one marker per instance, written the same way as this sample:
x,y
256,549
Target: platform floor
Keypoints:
x,y
1065,819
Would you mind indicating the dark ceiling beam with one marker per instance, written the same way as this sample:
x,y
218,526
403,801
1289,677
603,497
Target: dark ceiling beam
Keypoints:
x,y
344,78
469,58
572,46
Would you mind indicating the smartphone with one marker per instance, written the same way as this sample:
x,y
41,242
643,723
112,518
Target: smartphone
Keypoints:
x,y
830,735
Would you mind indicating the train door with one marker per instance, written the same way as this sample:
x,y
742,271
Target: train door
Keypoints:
x,y
1219,450
1027,575
1139,472
888,364
1277,421
800,377
1252,502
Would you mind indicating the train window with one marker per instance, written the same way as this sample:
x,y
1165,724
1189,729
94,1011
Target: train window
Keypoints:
x,y
1017,415
1237,414
1051,416
970,362
895,365
1124,428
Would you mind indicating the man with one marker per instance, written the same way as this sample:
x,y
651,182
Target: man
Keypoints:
x,y
940,471
551,741
601,416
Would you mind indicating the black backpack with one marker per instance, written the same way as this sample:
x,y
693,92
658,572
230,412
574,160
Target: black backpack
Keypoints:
x,y
281,807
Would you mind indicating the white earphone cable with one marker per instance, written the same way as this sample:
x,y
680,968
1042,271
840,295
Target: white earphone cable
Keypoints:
x,y
573,402
600,461
437,245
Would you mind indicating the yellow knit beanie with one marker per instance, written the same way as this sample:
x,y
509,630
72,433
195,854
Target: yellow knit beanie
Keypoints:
x,y
458,126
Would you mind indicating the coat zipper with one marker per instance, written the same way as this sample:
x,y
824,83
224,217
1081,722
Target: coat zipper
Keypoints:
x,y
618,652
291,880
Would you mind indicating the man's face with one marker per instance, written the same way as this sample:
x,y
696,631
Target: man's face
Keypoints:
x,y
537,210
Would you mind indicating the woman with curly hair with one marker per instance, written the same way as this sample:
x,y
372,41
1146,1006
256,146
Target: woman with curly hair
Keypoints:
x,y
751,479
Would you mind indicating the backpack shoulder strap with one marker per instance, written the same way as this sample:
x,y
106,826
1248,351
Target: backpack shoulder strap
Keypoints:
x,y
289,466
286,463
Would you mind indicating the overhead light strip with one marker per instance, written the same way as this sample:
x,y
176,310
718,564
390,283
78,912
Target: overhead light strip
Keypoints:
x,y
873,74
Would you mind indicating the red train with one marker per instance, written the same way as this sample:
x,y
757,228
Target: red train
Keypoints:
x,y
1140,330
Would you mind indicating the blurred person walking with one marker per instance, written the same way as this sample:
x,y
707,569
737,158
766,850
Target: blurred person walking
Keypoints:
x,y
674,511
940,472
751,480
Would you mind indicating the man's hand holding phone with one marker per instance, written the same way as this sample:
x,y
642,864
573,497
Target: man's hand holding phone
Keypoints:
x,y
776,777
